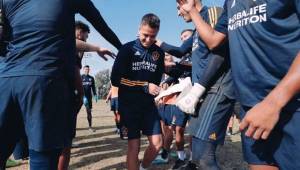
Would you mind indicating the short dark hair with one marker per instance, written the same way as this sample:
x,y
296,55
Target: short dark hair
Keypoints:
x,y
185,30
152,20
86,66
82,26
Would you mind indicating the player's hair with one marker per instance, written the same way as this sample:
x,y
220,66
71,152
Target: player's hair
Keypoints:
x,y
86,66
185,30
82,26
152,20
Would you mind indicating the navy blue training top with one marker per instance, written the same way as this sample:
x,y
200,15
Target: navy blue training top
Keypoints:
x,y
264,37
201,58
88,83
200,52
42,38
135,66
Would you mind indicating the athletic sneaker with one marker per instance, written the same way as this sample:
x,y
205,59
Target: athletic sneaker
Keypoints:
x,y
160,160
190,166
117,131
173,154
91,129
75,145
123,133
178,164
229,132
12,163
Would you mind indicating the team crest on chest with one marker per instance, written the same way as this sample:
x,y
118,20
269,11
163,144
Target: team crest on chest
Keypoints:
x,y
155,55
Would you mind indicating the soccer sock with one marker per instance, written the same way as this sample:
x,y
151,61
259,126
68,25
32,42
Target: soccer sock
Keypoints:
x,y
230,130
164,154
141,167
118,125
181,155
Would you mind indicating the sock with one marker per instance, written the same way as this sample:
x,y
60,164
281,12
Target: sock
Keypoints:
x,y
230,130
164,154
181,155
191,155
118,125
141,167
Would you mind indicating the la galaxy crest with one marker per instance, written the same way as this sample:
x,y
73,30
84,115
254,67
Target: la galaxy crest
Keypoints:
x,y
155,55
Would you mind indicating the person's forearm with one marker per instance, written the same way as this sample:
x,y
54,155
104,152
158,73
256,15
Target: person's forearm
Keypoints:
x,y
173,50
288,87
205,31
213,66
108,97
110,36
94,91
85,47
184,67
91,13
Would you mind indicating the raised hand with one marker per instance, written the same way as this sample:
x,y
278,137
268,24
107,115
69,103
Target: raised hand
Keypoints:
x,y
103,51
186,5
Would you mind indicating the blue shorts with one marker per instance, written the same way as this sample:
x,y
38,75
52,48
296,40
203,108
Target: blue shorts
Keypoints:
x,y
180,118
21,150
114,104
211,122
137,117
165,113
89,102
282,148
171,115
39,105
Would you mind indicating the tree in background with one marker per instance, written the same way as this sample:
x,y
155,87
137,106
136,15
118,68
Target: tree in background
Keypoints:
x,y
102,81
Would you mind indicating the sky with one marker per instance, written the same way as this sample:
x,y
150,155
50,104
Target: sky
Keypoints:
x,y
123,17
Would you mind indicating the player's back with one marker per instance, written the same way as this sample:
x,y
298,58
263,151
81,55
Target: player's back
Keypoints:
x,y
42,37
114,91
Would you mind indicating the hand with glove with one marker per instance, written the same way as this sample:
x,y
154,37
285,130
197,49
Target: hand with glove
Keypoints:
x,y
188,102
96,98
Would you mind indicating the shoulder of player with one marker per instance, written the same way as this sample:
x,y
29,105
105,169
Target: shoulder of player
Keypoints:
x,y
158,49
158,52
127,47
90,76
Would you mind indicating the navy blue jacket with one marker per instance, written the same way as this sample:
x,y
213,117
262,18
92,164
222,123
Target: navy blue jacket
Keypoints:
x,y
88,83
209,68
264,39
135,67
42,38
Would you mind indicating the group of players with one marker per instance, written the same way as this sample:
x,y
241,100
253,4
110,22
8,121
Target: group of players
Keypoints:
x,y
248,53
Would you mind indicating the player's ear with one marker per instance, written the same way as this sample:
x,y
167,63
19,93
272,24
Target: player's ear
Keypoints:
x,y
138,33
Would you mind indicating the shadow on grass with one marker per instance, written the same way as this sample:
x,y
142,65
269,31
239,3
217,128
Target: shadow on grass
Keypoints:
x,y
97,150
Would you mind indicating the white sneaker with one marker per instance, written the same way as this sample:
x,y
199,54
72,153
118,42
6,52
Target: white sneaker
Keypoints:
x,y
91,129
75,145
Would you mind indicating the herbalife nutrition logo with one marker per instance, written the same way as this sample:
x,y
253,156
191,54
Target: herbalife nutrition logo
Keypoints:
x,y
233,3
256,14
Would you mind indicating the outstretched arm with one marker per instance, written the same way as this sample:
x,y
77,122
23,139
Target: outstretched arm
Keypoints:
x,y
108,97
94,87
189,101
185,48
87,9
86,47
209,35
